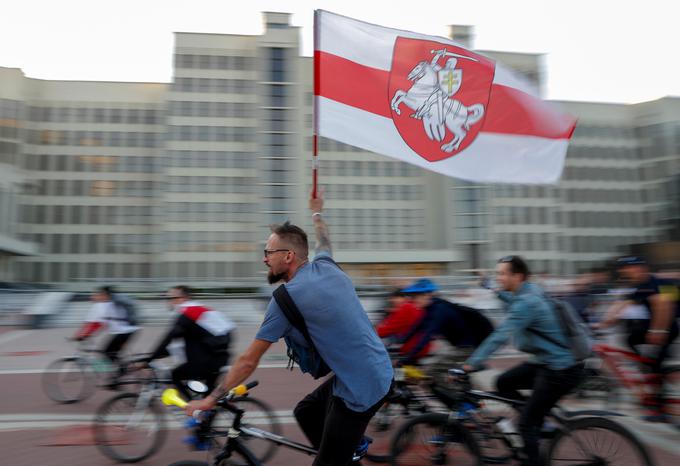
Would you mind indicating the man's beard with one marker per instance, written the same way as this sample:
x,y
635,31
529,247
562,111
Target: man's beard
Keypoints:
x,y
275,277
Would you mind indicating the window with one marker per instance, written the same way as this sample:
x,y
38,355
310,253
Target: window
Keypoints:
x,y
277,65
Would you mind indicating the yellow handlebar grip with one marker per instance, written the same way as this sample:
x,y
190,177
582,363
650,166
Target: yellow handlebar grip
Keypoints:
x,y
413,372
171,397
240,390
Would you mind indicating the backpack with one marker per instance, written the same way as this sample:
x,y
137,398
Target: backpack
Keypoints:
x,y
576,331
476,323
306,357
129,306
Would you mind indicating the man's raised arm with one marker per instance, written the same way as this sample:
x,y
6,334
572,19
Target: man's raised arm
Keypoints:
x,y
323,241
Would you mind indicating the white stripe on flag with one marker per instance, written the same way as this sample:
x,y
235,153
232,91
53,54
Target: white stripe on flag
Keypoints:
x,y
372,45
359,128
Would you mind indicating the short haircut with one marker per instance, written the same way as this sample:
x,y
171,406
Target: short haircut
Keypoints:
x,y
185,291
108,290
293,235
517,265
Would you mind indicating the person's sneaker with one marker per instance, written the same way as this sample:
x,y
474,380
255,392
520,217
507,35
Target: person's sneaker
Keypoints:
x,y
362,449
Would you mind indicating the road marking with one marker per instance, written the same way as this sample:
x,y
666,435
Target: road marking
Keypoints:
x,y
13,335
40,371
54,421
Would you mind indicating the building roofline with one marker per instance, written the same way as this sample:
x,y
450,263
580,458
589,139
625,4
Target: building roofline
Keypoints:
x,y
216,34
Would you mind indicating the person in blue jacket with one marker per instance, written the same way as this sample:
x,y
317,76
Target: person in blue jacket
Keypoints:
x,y
533,325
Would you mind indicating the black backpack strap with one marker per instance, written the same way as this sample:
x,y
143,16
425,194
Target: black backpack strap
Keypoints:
x,y
560,322
548,338
291,311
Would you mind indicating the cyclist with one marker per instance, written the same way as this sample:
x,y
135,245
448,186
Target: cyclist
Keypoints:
x,y
107,313
654,324
463,327
207,335
552,372
335,415
401,318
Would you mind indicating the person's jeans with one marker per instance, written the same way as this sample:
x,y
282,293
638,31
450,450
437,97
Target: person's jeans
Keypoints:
x,y
330,426
548,387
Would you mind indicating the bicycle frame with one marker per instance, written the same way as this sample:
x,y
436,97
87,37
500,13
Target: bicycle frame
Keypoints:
x,y
237,429
635,381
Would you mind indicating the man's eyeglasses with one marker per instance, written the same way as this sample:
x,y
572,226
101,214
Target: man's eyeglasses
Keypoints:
x,y
269,252
505,259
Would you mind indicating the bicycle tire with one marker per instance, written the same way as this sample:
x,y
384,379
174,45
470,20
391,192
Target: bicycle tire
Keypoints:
x,y
671,394
77,385
262,416
381,429
110,436
600,429
410,447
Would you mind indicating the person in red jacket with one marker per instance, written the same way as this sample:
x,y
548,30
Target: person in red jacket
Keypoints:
x,y
401,319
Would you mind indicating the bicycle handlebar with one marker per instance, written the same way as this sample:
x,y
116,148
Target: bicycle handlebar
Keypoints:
x,y
171,396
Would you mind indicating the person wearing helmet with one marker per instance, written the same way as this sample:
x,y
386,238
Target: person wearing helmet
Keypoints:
x,y
464,328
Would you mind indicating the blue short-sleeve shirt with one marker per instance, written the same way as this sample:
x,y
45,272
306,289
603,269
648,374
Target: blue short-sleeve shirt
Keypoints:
x,y
340,330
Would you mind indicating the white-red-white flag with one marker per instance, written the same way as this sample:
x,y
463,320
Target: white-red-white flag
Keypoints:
x,y
427,101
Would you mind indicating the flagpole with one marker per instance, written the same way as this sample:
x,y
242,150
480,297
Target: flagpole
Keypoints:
x,y
315,111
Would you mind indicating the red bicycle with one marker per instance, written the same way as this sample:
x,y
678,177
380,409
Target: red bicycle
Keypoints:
x,y
616,373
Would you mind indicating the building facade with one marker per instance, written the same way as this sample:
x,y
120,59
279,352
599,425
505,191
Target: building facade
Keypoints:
x,y
179,181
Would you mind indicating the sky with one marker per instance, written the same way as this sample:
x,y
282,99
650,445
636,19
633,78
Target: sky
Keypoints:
x,y
595,50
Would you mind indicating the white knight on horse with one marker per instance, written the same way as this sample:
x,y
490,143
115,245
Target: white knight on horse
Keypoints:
x,y
431,97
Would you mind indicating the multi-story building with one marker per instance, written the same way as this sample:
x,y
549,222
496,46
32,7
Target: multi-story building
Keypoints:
x,y
12,177
181,180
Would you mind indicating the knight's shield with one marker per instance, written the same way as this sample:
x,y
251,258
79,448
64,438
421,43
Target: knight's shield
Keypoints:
x,y
450,81
428,105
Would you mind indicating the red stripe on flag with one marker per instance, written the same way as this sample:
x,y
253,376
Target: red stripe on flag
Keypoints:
x,y
352,84
510,111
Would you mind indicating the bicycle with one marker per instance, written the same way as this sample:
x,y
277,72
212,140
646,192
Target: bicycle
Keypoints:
x,y
131,427
74,378
239,434
406,400
580,437
615,372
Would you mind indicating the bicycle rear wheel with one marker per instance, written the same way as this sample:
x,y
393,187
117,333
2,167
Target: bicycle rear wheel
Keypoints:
x,y
127,429
596,441
68,380
433,439
671,394
257,414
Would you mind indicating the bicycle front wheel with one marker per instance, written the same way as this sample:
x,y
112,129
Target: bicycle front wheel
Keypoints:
x,y
596,441
257,415
128,429
434,439
68,380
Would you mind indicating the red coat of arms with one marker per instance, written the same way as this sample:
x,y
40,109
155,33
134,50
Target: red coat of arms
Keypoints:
x,y
448,87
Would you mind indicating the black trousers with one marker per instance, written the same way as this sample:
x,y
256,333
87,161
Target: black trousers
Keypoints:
x,y
330,426
206,371
115,345
548,387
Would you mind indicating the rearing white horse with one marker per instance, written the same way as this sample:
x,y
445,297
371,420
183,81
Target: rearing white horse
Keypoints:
x,y
422,98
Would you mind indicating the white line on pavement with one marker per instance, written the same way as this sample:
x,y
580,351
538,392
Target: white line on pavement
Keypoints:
x,y
40,371
13,335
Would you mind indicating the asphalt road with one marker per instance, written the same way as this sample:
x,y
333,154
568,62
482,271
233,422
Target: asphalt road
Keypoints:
x,y
36,431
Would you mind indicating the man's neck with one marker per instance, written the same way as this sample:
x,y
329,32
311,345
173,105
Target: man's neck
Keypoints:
x,y
293,270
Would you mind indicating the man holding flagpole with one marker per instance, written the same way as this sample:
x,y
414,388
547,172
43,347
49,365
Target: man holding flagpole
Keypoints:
x,y
334,417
